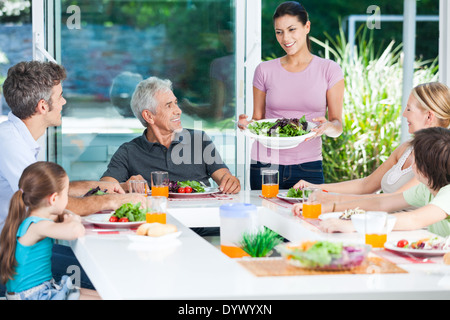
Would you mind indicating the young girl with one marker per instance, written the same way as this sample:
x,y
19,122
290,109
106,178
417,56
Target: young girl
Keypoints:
x,y
28,235
430,197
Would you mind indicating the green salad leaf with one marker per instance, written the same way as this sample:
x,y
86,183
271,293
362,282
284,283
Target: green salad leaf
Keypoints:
x,y
131,211
319,254
195,185
280,128
295,193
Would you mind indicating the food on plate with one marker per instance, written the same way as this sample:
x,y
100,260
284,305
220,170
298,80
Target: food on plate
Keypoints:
x,y
283,127
323,255
347,214
95,191
128,212
185,186
402,243
433,243
155,229
295,193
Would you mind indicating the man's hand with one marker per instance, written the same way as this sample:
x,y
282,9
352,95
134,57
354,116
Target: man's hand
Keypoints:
x,y
226,181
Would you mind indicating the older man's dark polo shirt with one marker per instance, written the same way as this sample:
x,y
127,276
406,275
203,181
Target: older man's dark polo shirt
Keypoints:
x,y
191,156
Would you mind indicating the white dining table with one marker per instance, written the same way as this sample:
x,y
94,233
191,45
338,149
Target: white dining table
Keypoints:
x,y
192,268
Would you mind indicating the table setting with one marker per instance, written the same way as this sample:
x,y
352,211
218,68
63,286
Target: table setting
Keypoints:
x,y
223,273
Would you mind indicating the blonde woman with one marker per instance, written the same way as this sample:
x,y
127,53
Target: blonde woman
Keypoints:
x,y
428,106
429,197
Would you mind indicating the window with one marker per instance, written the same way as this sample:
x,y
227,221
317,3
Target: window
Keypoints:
x,y
16,40
107,47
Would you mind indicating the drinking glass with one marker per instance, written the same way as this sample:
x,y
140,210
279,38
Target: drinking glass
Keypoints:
x,y
138,186
270,186
312,208
375,228
156,209
160,183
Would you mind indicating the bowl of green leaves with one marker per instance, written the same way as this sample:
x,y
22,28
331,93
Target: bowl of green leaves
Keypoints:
x,y
281,133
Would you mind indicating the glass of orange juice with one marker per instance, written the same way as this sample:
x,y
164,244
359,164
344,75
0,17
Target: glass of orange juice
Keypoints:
x,y
312,208
160,183
156,209
375,228
138,186
270,186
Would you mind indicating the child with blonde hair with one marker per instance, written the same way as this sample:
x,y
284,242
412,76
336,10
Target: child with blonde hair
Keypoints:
x,y
37,217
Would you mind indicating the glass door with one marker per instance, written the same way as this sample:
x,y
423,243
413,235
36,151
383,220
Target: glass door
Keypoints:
x,y
15,41
108,46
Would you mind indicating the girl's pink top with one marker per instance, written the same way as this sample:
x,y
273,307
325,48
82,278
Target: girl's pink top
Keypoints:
x,y
292,95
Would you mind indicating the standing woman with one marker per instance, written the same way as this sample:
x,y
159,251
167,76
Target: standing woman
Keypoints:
x,y
294,85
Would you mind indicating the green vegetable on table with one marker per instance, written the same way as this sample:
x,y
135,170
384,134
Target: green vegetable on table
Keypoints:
x,y
320,253
195,185
295,193
132,212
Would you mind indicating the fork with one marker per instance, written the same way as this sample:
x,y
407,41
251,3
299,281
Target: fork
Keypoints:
x,y
415,258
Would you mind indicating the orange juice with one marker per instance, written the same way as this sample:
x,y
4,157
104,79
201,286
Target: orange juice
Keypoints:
x,y
161,191
155,217
376,240
233,252
312,211
269,190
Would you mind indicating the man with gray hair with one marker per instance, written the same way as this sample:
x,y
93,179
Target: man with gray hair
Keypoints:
x,y
185,154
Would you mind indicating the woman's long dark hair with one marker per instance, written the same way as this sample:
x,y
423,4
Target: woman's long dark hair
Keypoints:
x,y
39,180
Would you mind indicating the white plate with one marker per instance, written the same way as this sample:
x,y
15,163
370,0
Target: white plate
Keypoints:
x,y
102,220
280,142
167,237
208,190
330,215
283,195
416,252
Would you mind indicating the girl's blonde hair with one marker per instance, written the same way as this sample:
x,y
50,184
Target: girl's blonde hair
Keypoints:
x,y
435,97
39,180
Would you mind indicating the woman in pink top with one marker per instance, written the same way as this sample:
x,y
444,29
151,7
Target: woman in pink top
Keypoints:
x,y
297,84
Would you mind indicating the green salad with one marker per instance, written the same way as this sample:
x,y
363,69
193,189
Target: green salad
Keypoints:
x,y
280,128
132,212
295,193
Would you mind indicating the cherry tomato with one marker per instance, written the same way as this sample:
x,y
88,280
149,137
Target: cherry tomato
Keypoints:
x,y
113,219
124,219
402,243
188,189
181,190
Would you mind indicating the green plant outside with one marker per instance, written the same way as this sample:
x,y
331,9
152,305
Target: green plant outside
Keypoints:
x,y
372,105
